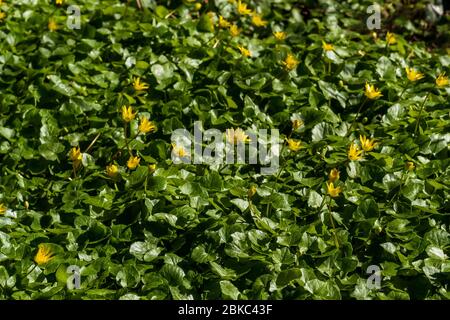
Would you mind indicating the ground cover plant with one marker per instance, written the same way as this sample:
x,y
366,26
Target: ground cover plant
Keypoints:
x,y
358,207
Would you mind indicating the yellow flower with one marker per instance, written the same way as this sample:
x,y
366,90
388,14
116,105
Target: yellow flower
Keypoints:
x,y
413,74
234,30
59,1
251,192
366,143
52,26
371,92
146,125
354,153
242,8
409,165
280,35
258,21
442,80
390,38
327,46
152,167
43,255
138,85
294,145
75,154
112,170
236,136
179,151
133,162
333,175
332,191
2,208
297,123
128,114
197,6
245,52
223,23
374,35
2,15
290,62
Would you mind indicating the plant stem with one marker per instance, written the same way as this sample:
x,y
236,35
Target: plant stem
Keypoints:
x,y
332,224
92,143
357,115
322,203
126,139
279,172
404,89
420,113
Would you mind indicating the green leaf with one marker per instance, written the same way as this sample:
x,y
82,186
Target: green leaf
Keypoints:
x,y
229,291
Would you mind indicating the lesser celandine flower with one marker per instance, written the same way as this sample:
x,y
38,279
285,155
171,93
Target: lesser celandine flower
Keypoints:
x,y
327,46
59,2
2,208
179,151
413,74
151,167
244,51
409,165
390,38
290,62
133,162
43,255
366,143
236,136
2,15
234,30
279,35
128,114
297,123
294,145
333,175
258,21
354,153
242,8
52,26
138,85
112,170
332,190
223,23
442,80
251,192
371,92
146,125
75,154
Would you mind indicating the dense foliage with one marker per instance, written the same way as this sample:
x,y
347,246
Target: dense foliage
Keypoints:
x,y
86,182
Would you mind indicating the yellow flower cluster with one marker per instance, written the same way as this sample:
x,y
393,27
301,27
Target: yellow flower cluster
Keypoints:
x,y
290,63
52,26
294,145
43,255
235,136
138,85
367,145
371,92
413,75
244,51
2,208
